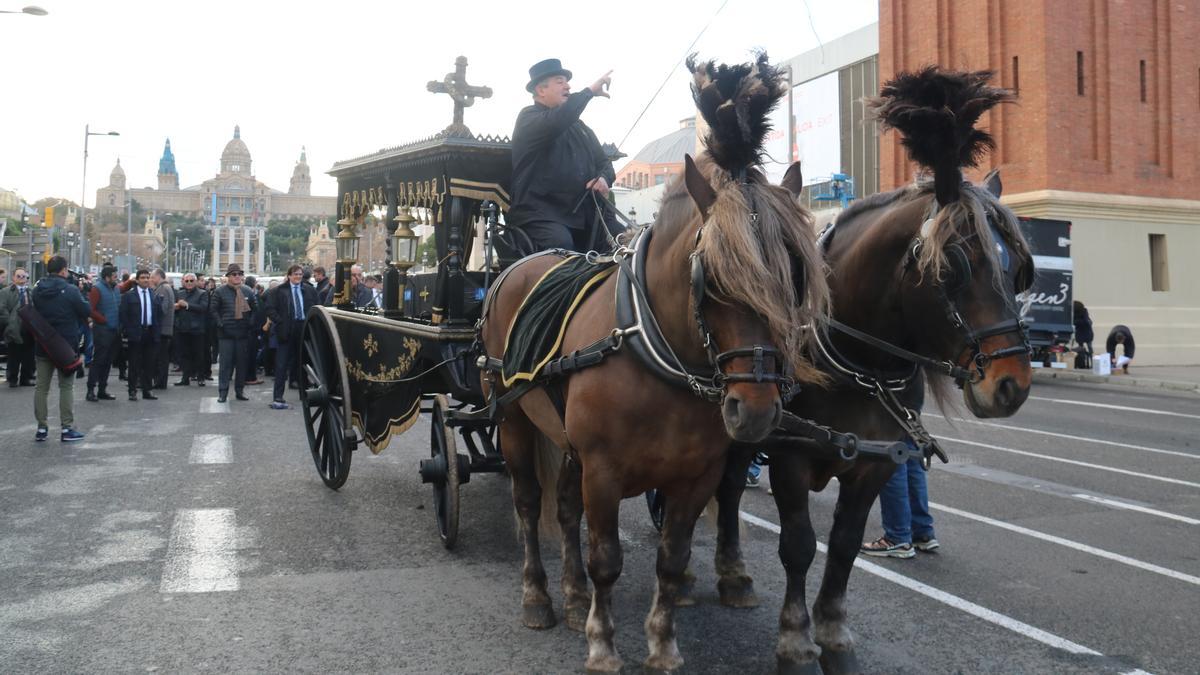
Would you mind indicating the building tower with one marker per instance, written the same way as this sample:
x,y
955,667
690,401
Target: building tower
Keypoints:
x,y
116,179
236,156
168,178
301,179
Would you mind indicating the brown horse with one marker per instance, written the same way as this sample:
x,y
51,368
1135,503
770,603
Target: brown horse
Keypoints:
x,y
729,261
928,274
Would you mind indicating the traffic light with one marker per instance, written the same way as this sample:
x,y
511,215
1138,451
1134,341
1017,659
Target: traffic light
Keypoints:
x,y
49,219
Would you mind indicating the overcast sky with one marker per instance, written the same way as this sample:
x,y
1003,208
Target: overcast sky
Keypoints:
x,y
343,78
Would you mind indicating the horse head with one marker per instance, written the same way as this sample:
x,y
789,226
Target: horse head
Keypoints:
x,y
740,243
965,258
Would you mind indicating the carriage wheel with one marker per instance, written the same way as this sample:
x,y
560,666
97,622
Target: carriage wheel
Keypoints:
x,y
656,501
443,472
323,399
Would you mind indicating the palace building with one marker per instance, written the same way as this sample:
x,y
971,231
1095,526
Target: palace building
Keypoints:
x,y
237,205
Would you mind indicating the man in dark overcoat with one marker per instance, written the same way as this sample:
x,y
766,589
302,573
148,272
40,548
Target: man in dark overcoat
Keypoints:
x,y
141,323
557,159
191,314
287,305
232,307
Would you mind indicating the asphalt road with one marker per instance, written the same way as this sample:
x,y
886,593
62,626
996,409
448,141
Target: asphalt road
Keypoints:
x,y
178,539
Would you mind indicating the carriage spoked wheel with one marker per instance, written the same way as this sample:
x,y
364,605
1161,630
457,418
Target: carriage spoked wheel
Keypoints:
x,y
323,399
442,471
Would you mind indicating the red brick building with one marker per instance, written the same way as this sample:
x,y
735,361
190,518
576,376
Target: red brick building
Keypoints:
x,y
1105,133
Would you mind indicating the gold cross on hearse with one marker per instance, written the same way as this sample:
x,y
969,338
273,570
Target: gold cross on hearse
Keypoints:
x,y
424,293
463,95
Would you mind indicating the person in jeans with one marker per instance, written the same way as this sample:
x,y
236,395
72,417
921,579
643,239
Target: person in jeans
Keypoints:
x,y
904,507
62,305
105,299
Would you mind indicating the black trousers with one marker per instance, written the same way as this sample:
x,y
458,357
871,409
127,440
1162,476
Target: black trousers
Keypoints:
x,y
20,360
105,342
162,361
141,365
234,357
193,356
287,359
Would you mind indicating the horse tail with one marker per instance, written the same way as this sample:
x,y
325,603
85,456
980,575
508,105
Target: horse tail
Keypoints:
x,y
936,111
736,102
548,463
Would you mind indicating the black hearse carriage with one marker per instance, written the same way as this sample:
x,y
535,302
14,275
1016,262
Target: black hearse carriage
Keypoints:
x,y
366,373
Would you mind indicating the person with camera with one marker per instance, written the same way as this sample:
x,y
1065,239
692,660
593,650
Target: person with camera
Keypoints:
x,y
62,306
105,299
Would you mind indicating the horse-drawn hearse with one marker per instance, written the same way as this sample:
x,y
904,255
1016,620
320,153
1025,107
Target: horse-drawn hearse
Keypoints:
x,y
723,329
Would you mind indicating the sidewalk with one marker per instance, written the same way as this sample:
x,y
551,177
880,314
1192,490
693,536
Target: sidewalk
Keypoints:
x,y
1175,378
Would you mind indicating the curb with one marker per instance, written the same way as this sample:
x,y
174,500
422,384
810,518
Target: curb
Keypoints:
x,y
1118,381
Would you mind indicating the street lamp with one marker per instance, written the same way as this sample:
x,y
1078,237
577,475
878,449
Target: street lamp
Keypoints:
x,y
32,10
87,133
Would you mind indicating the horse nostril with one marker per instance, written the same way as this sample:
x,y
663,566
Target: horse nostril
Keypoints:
x,y
1007,392
733,409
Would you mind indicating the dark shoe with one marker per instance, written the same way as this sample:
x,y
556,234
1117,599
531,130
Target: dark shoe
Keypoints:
x,y
199,383
293,385
132,396
14,385
42,433
29,383
279,405
69,435
242,397
80,374
121,376
91,398
751,480
222,398
182,383
925,544
883,548
105,396
147,396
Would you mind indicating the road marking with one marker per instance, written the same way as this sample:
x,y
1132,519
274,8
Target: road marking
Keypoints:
x,y
1055,434
202,555
945,598
1076,462
1111,406
1101,553
210,405
1134,507
211,449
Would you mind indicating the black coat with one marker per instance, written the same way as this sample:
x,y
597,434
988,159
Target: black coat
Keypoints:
x,y
554,155
131,316
62,305
281,310
221,306
1110,345
191,319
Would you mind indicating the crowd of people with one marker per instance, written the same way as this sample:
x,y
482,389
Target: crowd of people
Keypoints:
x,y
145,328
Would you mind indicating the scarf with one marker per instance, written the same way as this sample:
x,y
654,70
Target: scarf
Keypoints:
x,y
240,306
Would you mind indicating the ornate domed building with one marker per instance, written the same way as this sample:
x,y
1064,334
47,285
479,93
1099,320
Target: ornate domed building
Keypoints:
x,y
237,206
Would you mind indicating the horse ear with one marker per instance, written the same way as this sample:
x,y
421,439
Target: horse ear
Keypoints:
x,y
698,187
993,184
793,180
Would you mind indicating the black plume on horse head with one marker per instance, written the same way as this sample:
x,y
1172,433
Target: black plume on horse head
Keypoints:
x,y
736,101
936,111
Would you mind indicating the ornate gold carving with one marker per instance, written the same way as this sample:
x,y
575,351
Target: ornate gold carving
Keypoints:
x,y
370,345
385,374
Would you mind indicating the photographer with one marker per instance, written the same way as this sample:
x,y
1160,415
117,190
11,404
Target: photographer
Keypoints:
x,y
62,306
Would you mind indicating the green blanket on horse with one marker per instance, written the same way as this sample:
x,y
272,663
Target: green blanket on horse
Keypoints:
x,y
536,333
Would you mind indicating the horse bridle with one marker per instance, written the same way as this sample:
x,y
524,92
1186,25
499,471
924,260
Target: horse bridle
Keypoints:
x,y
972,339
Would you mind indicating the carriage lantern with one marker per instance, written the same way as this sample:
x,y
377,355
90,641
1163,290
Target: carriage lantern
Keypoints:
x,y
404,242
347,241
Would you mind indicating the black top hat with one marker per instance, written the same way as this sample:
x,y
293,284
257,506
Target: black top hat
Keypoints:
x,y
543,69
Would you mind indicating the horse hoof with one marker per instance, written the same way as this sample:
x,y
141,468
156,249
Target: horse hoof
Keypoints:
x,y
609,663
538,616
576,617
662,664
685,600
798,667
737,592
839,663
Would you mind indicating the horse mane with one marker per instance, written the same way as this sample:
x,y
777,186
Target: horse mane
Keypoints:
x,y
770,266
936,111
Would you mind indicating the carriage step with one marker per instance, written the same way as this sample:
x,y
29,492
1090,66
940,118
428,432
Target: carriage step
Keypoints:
x,y
457,417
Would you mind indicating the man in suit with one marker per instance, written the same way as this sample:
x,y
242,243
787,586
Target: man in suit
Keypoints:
x,y
141,322
287,305
19,341
232,307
